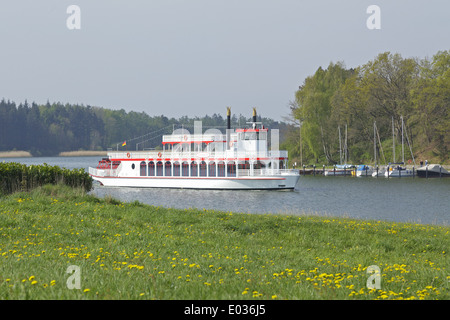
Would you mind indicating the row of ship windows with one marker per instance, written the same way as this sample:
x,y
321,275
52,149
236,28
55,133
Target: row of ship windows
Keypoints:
x,y
200,169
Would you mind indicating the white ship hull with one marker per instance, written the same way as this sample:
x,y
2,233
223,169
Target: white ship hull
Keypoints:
x,y
242,183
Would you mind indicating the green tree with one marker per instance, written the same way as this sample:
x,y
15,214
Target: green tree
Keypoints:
x,y
431,104
319,125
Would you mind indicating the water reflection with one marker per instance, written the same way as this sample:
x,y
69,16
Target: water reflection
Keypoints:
x,y
406,200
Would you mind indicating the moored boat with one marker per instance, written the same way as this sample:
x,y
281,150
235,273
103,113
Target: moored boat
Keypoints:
x,y
238,159
340,170
364,170
432,171
399,172
379,171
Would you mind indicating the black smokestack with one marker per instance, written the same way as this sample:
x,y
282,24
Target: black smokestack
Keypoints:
x,y
228,131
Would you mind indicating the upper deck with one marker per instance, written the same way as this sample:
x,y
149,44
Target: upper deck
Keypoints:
x,y
242,144
198,155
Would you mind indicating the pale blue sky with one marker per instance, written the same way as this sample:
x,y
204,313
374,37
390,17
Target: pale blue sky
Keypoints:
x,y
196,57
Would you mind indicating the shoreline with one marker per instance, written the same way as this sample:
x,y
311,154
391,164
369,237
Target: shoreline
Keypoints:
x,y
82,153
26,154
15,154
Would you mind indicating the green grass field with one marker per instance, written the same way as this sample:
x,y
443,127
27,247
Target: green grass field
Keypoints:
x,y
136,251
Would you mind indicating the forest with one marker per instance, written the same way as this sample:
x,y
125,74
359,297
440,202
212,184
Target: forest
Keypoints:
x,y
372,108
354,115
52,128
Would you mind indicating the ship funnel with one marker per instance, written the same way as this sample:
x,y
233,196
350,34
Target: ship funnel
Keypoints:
x,y
254,118
228,131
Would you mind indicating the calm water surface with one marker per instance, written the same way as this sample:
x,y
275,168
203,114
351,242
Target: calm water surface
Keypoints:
x,y
395,199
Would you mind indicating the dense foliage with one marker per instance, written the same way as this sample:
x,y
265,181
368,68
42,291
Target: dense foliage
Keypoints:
x,y
382,92
15,177
53,128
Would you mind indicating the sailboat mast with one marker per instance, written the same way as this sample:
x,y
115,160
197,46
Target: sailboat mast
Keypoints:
x,y
375,142
340,146
393,141
345,146
403,150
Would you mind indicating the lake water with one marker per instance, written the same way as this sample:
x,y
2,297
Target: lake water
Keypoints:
x,y
395,199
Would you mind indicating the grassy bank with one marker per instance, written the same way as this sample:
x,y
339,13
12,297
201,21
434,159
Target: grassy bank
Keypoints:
x,y
135,251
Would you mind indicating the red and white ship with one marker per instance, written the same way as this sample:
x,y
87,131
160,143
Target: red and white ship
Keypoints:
x,y
239,159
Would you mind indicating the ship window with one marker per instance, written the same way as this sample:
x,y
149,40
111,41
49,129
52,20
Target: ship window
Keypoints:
x,y
194,171
203,169
143,168
185,169
159,169
221,169
133,166
151,168
176,169
250,136
231,169
212,169
244,165
259,165
168,171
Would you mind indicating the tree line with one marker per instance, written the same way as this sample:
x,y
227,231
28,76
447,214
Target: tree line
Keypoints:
x,y
371,102
51,128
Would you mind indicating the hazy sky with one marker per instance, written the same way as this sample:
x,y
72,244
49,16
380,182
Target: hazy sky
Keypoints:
x,y
195,57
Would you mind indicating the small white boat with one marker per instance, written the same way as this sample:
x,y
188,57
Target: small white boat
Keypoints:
x,y
340,170
379,173
399,172
364,170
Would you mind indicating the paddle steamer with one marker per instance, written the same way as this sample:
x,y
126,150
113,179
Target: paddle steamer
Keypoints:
x,y
238,159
